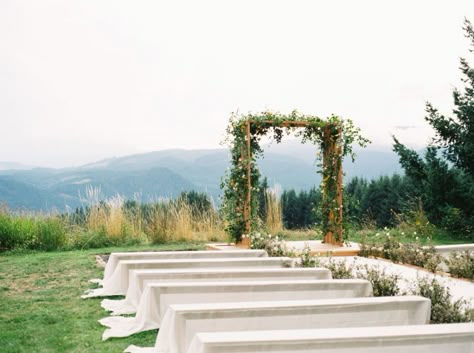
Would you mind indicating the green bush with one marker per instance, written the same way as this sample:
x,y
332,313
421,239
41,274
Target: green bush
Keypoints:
x,y
306,259
444,309
412,254
461,264
383,284
339,270
273,245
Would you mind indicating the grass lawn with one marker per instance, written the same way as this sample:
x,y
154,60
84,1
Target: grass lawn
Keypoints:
x,y
40,305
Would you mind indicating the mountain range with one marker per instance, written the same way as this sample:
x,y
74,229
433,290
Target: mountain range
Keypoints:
x,y
150,176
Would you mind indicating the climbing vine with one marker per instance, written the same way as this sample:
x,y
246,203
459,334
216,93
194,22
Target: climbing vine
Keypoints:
x,y
335,138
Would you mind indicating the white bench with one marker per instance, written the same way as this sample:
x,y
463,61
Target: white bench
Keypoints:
x,y
115,257
182,322
117,283
138,278
157,297
452,338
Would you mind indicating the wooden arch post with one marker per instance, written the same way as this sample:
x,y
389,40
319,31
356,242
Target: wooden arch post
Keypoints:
x,y
333,148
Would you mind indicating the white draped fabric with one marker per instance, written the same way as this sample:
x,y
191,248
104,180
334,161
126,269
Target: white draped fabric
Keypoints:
x,y
452,338
182,322
157,297
115,257
138,278
117,283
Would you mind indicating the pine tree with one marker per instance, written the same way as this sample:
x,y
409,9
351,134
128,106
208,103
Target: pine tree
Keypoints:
x,y
447,192
456,134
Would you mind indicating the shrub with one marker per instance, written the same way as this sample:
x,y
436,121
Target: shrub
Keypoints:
x,y
444,309
461,264
383,284
306,259
339,269
458,223
273,245
413,254
415,221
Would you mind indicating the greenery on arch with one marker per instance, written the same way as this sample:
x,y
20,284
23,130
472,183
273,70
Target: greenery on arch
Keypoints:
x,y
333,131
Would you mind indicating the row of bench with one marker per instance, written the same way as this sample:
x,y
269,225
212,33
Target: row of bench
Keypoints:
x,y
244,301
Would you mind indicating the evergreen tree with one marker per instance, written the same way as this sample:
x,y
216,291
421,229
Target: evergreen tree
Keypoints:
x,y
290,209
456,134
262,200
447,191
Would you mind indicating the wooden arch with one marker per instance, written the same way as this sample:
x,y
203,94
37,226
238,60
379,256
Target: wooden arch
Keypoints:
x,y
331,148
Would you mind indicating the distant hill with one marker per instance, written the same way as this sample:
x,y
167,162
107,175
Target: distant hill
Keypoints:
x,y
167,173
14,166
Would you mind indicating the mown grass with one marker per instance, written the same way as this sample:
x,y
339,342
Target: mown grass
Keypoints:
x,y
40,305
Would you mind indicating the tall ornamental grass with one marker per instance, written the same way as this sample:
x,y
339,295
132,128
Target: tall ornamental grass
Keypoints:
x,y
274,212
113,221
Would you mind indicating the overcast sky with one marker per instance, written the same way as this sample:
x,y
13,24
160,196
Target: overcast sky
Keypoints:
x,y
85,80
